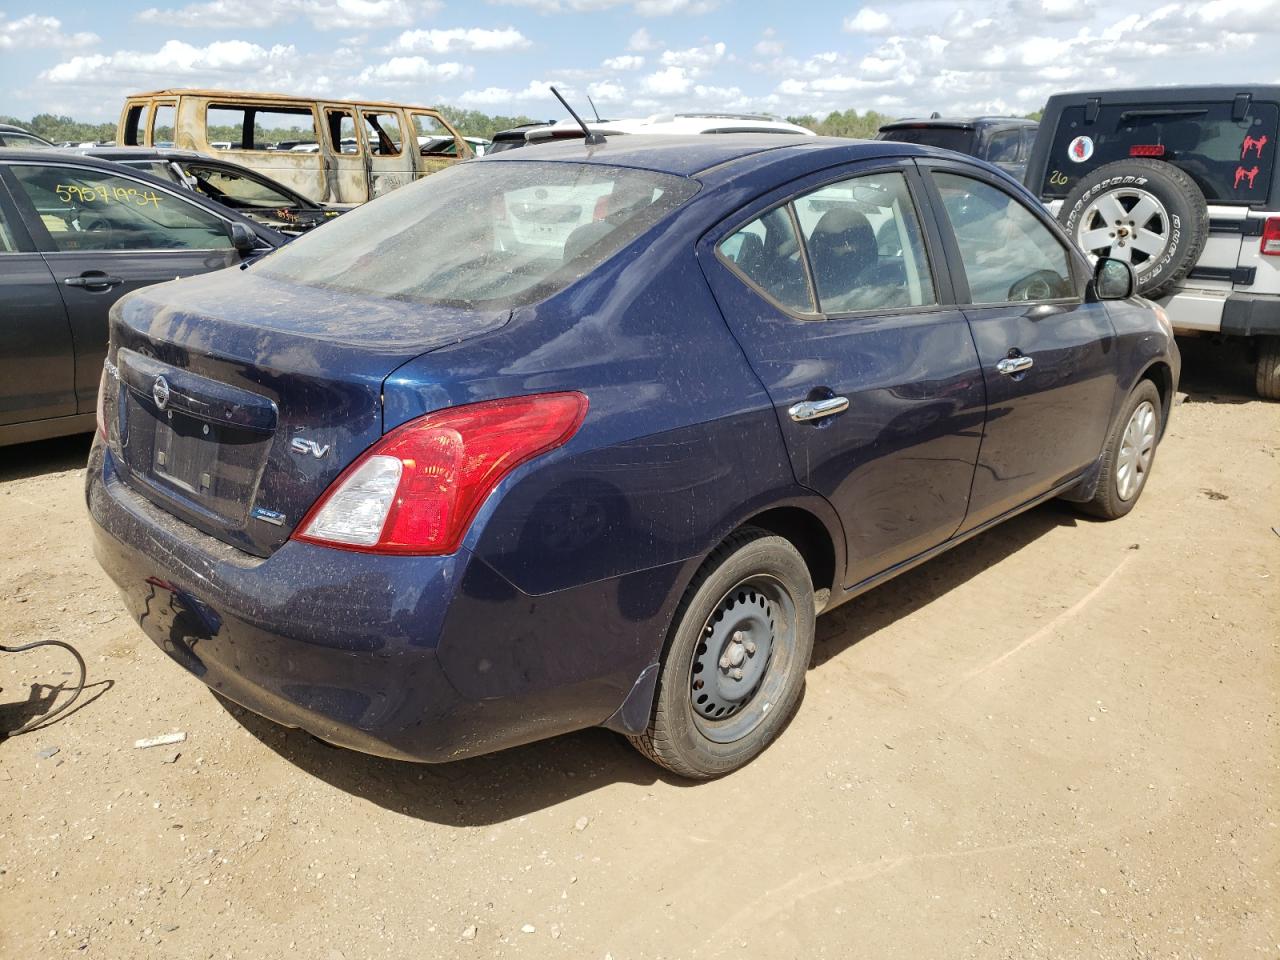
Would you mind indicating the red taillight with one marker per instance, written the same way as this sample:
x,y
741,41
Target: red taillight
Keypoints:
x,y
1271,237
417,489
1147,150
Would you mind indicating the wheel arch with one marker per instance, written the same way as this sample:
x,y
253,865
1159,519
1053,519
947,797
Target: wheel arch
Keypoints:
x,y
1160,374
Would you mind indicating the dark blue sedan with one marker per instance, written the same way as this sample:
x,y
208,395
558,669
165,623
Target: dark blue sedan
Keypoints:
x,y
590,436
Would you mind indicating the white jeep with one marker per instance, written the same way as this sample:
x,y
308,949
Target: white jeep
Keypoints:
x,y
1184,183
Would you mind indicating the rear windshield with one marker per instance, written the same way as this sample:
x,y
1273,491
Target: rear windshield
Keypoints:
x,y
497,234
1230,160
948,138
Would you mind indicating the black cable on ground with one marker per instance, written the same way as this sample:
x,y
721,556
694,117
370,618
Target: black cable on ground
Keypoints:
x,y
79,686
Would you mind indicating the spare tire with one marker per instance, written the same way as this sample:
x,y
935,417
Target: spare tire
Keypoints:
x,y
1147,212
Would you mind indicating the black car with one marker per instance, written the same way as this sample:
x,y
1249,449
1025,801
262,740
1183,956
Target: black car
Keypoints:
x,y
243,190
11,136
76,234
1004,141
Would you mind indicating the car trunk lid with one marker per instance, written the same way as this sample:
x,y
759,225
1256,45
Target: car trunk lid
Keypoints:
x,y
240,398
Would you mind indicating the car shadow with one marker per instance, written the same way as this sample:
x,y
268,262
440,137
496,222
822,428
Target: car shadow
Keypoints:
x,y
1217,370
499,787
23,460
905,594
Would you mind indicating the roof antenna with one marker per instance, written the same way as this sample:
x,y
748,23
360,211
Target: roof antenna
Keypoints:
x,y
588,137
593,108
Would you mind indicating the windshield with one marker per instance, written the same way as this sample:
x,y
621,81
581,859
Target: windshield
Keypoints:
x,y
498,234
1231,161
947,138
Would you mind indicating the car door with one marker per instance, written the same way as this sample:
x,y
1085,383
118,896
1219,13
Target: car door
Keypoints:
x,y
390,157
104,234
37,359
1048,355
837,292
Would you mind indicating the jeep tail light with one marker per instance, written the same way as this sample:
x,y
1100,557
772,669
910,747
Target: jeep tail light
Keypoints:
x,y
417,489
1147,150
1271,237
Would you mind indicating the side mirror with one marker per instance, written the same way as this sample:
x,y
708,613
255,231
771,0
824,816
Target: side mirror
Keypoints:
x,y
242,238
1114,279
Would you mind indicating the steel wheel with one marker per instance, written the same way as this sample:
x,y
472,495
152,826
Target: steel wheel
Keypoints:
x,y
1129,224
1137,447
732,681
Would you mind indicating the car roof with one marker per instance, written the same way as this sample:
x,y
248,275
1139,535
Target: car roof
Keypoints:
x,y
138,153
699,154
956,123
1212,91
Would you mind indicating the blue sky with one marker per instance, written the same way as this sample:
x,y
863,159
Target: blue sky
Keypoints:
x,y
635,57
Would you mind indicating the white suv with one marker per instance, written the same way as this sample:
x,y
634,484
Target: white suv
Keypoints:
x,y
1184,183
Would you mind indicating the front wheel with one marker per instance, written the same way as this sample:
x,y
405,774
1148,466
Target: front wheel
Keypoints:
x,y
734,669
1130,451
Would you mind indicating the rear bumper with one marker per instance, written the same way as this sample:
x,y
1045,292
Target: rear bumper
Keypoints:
x,y
413,658
1251,315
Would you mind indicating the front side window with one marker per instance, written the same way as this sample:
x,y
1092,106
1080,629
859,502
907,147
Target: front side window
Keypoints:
x,y
767,253
342,131
86,209
8,243
234,189
498,234
382,133
865,246
254,128
14,138
1003,146
1009,255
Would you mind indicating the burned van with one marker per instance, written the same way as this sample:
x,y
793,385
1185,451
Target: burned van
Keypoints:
x,y
332,151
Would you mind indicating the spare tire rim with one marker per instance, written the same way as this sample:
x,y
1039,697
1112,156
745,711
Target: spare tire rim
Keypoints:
x,y
743,658
1137,447
1129,224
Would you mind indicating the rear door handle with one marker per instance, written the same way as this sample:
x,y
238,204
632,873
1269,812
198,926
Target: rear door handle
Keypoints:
x,y
1011,365
817,409
93,281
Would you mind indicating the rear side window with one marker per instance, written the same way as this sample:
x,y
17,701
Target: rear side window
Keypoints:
x,y
864,245
133,124
497,234
162,130
1232,161
1003,146
92,210
251,128
1009,255
382,133
767,253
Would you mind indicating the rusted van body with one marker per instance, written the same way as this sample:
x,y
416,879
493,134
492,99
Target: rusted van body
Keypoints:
x,y
333,151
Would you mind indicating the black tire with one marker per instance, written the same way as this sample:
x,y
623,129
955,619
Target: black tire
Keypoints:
x,y
681,740
1267,375
1188,215
1107,501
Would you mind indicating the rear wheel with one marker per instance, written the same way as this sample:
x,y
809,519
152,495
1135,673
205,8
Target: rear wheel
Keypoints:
x,y
734,669
1267,376
1131,449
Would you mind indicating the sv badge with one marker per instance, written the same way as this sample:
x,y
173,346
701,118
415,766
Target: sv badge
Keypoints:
x,y
303,445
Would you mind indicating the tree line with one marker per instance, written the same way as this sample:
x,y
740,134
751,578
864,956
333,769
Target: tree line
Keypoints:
x,y
470,123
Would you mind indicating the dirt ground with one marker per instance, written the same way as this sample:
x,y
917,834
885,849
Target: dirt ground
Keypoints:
x,y
1058,740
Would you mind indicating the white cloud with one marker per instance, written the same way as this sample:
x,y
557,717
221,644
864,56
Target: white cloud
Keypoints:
x,y
606,91
474,40
769,45
624,62
641,42
34,32
673,81
667,8
175,60
696,57
867,20
323,14
537,90
412,70
645,8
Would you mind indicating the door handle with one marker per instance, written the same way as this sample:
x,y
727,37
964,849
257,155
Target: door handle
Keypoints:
x,y
817,409
93,281
1013,365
